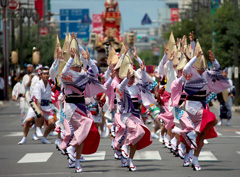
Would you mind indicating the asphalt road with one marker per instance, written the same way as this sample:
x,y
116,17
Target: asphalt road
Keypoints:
x,y
221,157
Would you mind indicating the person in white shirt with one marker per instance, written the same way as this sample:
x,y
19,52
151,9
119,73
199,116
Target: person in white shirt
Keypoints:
x,y
41,96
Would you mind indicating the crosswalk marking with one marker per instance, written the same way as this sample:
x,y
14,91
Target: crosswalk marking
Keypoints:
x,y
219,134
147,155
100,155
14,134
35,157
238,152
207,156
238,133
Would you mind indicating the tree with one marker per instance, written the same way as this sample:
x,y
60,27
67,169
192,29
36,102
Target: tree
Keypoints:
x,y
46,46
227,32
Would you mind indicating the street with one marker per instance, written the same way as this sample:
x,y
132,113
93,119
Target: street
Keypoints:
x,y
221,157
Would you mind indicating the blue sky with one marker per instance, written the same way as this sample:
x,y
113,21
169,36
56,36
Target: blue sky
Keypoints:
x,y
132,11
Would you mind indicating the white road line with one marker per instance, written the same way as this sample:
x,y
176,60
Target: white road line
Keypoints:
x,y
147,155
48,174
35,157
238,152
14,134
219,134
100,155
238,133
207,156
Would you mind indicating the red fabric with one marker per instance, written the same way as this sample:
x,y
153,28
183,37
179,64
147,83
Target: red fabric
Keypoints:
x,y
163,97
101,102
145,141
150,69
143,109
208,119
92,141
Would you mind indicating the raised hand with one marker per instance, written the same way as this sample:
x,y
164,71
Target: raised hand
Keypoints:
x,y
110,65
113,74
59,54
142,66
135,53
84,54
171,56
191,36
128,74
165,49
211,56
74,35
88,55
72,52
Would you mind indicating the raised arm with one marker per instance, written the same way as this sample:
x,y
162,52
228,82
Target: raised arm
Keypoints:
x,y
216,65
163,62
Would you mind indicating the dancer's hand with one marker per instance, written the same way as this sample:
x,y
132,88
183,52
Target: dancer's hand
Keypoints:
x,y
113,74
211,56
129,74
191,36
165,49
142,66
72,53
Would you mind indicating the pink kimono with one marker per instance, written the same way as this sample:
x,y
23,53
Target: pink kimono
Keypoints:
x,y
130,127
79,124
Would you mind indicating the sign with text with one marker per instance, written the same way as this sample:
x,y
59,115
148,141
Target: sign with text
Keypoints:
x,y
71,21
174,15
97,23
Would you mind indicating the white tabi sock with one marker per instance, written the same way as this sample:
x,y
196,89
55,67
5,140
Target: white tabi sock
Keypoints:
x,y
186,157
131,162
195,161
24,140
38,132
77,163
174,141
191,155
71,149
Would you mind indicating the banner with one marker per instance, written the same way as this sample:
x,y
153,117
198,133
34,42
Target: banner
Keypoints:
x,y
39,8
97,23
174,15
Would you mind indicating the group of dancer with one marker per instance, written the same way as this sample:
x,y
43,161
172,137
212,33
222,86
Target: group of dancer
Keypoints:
x,y
73,95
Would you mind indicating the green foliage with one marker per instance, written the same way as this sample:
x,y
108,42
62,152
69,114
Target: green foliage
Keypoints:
x,y
217,31
227,32
148,57
45,45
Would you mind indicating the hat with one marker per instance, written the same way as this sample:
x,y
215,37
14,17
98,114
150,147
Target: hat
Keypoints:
x,y
171,43
125,65
39,66
65,49
57,47
112,57
76,61
122,51
176,57
66,54
188,54
225,69
182,63
200,64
